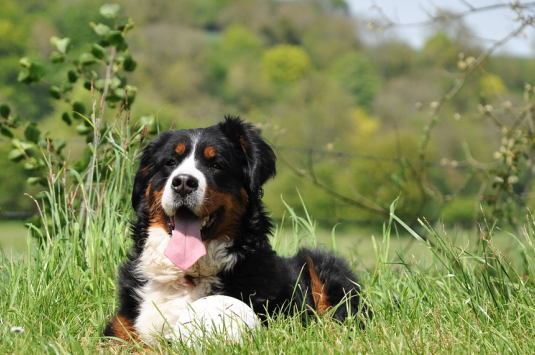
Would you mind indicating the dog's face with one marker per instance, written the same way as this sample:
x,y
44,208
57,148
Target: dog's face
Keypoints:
x,y
200,181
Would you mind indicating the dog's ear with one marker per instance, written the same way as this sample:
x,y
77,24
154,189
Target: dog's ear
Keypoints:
x,y
259,155
143,175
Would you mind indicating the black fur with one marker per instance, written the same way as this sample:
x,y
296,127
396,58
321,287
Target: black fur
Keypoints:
x,y
270,283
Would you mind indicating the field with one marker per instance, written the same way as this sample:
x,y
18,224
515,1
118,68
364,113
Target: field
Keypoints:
x,y
432,290
465,298
357,243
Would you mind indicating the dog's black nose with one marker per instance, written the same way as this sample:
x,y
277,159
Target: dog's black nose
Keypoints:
x,y
184,184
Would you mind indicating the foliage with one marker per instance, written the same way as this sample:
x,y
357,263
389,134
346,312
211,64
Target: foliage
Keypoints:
x,y
441,51
99,70
238,42
356,73
111,54
286,63
492,84
359,107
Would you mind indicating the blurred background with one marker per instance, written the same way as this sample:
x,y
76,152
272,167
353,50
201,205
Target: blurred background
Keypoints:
x,y
362,100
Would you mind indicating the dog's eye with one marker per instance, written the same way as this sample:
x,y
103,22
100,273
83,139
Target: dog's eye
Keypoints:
x,y
170,162
215,166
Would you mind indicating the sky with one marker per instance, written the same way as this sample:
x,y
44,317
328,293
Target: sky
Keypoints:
x,y
489,26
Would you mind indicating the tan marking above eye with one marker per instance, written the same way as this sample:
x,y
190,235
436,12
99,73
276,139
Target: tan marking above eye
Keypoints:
x,y
180,148
209,152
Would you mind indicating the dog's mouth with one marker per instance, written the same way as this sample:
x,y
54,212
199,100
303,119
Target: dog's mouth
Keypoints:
x,y
209,225
184,218
188,231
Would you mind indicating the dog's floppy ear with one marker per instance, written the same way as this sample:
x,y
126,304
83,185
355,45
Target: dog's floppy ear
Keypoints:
x,y
259,155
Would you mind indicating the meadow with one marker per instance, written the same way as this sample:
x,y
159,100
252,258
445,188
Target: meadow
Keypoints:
x,y
459,295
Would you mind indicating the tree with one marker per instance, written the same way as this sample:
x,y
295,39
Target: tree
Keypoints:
x,y
286,63
357,74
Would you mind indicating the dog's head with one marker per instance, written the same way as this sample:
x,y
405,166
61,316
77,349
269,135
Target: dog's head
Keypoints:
x,y
199,182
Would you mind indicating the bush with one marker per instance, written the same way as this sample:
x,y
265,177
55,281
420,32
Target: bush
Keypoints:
x,y
286,63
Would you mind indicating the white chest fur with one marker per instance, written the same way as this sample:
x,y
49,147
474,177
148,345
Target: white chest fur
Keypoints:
x,y
167,292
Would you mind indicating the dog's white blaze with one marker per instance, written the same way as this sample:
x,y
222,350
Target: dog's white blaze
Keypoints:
x,y
194,200
167,293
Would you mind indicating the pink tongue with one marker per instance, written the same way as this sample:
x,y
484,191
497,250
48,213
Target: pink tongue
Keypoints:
x,y
185,246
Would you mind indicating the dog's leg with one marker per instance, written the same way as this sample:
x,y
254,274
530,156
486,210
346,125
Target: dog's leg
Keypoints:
x,y
121,327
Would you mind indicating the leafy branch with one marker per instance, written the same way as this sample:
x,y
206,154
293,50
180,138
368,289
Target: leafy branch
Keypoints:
x,y
101,70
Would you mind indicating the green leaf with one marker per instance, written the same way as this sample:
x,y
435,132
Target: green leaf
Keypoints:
x,y
32,133
87,58
99,84
15,155
6,131
98,51
110,11
129,63
37,71
62,44
14,120
30,165
34,180
115,38
27,147
43,143
56,57
115,82
121,93
100,29
25,62
66,118
4,110
72,75
82,129
60,144
24,76
31,71
55,92
78,109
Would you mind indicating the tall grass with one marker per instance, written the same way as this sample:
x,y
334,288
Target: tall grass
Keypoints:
x,y
61,291
59,295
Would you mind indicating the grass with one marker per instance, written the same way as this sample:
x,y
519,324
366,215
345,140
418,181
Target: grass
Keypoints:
x,y
459,295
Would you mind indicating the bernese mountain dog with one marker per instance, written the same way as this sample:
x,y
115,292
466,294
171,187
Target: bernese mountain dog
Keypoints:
x,y
201,229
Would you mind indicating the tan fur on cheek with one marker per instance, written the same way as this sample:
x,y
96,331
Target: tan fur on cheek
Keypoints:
x,y
157,214
233,208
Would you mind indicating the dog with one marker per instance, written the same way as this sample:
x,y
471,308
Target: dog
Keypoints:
x,y
201,229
